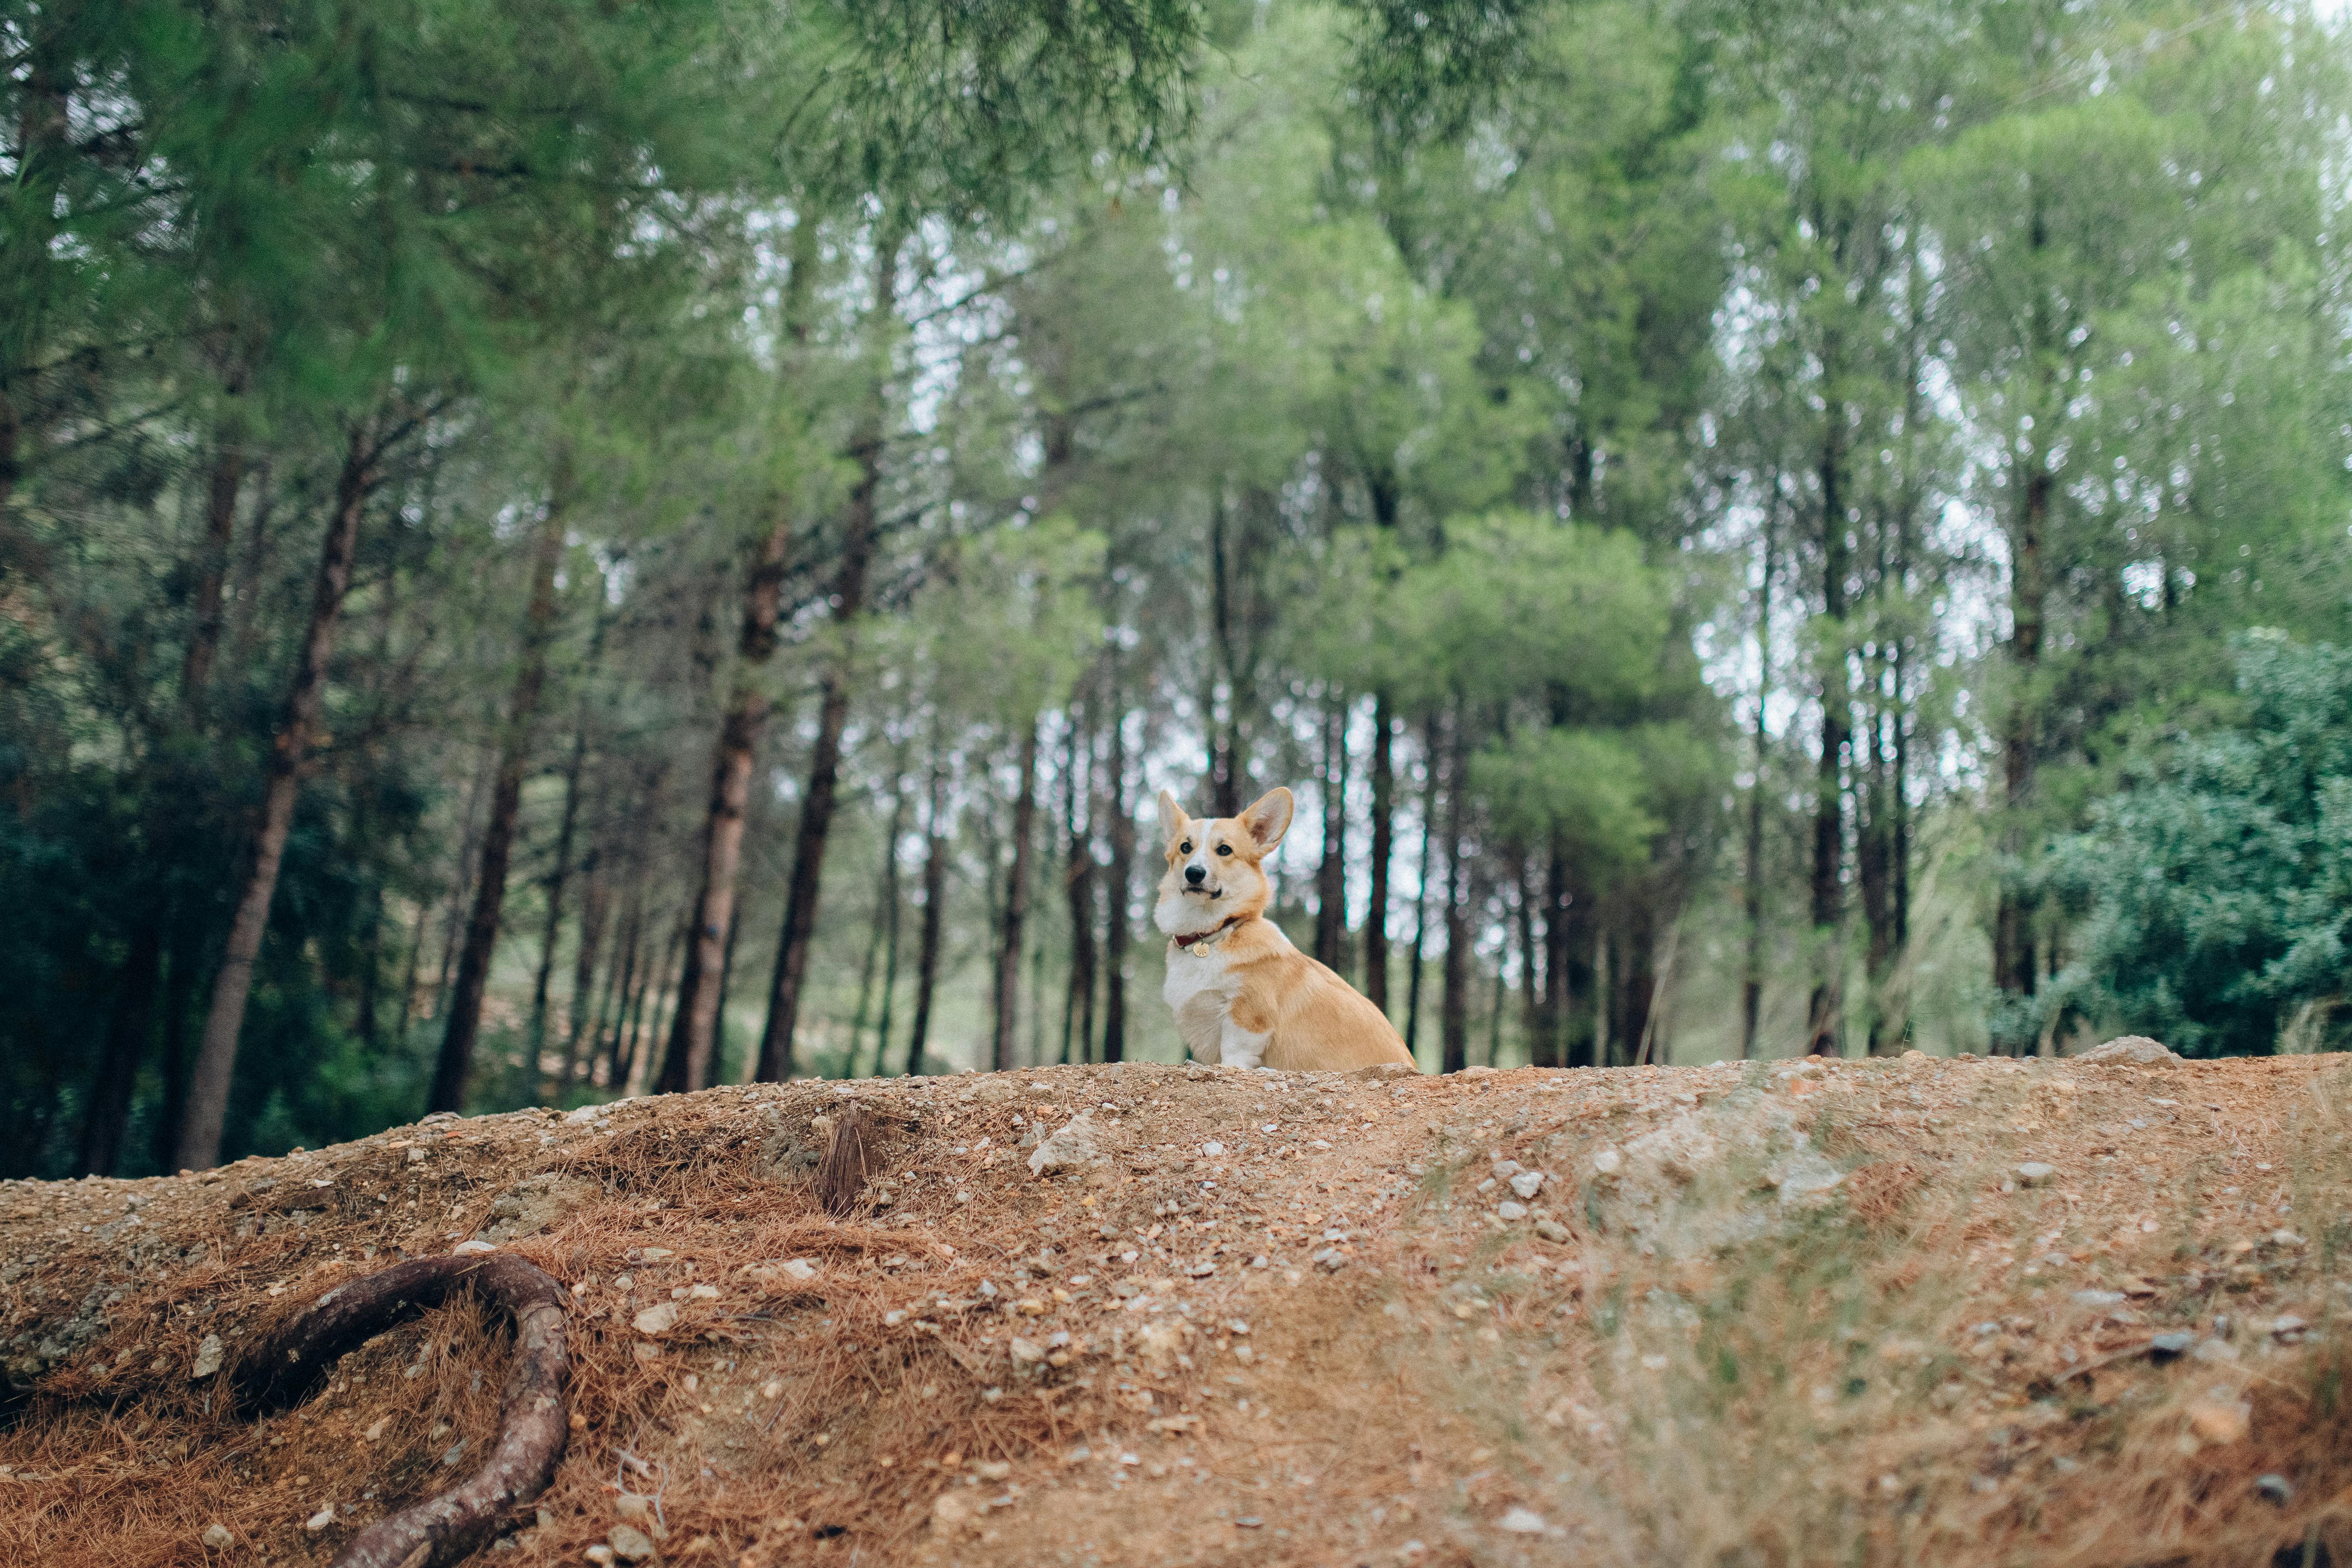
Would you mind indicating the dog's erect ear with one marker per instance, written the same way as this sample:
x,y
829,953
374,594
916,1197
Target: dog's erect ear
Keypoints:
x,y
1172,817
1268,818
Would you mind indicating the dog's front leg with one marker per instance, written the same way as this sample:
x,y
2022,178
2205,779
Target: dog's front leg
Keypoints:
x,y
1238,1048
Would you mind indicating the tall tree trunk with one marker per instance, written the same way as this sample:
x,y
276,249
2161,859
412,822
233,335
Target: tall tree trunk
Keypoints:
x,y
1331,871
1822,1025
2028,589
1559,920
664,1001
1429,832
1224,768
892,903
1532,979
181,972
461,887
1078,893
687,1065
1875,869
245,623
1376,908
1751,987
465,1021
1453,1009
885,913
208,1084
1902,825
618,980
595,906
1603,993
559,872
725,991
1118,808
228,472
848,602
108,1116
2013,969
1635,987
409,971
1007,996
935,887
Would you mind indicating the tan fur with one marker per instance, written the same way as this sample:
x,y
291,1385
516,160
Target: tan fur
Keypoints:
x,y
1243,993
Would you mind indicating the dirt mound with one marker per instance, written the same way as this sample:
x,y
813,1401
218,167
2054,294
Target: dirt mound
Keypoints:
x,y
1905,1311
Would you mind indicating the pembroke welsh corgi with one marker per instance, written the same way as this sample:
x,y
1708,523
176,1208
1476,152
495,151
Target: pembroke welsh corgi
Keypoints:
x,y
1243,995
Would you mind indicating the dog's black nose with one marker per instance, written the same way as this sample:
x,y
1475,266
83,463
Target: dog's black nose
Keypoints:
x,y
1196,875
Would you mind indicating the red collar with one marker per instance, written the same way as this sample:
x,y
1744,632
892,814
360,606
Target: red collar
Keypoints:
x,y
1214,930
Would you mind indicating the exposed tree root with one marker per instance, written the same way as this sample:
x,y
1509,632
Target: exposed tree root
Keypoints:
x,y
844,1168
532,1418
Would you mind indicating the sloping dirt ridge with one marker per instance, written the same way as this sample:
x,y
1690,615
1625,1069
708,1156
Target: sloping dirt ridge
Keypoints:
x,y
1908,1311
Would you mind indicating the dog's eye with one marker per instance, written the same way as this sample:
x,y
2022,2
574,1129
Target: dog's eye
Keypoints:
x,y
1185,848
1224,849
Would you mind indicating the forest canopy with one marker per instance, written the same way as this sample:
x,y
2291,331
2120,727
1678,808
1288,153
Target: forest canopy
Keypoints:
x,y
552,551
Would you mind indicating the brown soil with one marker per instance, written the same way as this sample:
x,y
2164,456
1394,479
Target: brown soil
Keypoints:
x,y
1785,1313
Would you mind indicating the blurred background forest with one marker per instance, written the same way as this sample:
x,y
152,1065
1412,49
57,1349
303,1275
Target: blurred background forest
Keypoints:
x,y
549,550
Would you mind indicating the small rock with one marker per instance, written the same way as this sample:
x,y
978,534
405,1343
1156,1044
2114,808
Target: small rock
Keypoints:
x,y
470,1248
2033,1172
1212,1149
801,1269
2166,1346
1552,1230
1026,1352
702,1293
208,1360
586,1114
1330,1259
2221,1419
1077,1142
454,1452
638,1509
1202,1270
319,1521
1249,1521
2215,1350
1508,1210
657,1319
218,1537
992,1469
1379,1070
2287,1327
2098,1298
953,1513
2129,1048
1528,1184
629,1543
1521,1522
1506,1168
2276,1488
1609,1162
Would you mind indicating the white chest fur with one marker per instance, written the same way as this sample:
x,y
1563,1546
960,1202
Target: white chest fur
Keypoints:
x,y
1200,987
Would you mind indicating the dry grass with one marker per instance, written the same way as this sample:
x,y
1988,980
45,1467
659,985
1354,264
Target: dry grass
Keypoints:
x,y
1697,1372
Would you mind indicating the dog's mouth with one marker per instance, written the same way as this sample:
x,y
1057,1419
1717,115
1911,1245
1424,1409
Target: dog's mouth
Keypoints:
x,y
1206,892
